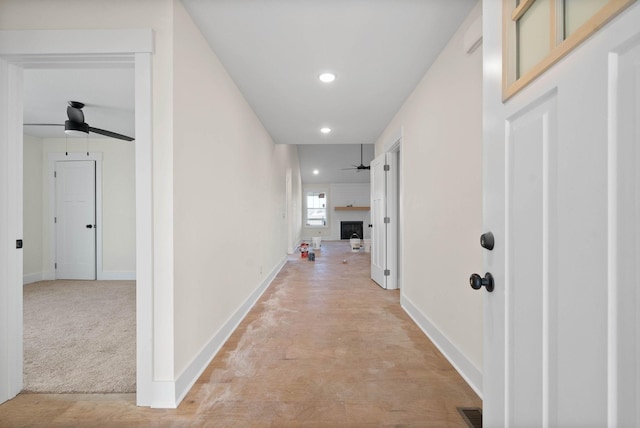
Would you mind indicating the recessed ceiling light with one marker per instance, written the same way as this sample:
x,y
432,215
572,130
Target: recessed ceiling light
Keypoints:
x,y
327,77
316,172
325,130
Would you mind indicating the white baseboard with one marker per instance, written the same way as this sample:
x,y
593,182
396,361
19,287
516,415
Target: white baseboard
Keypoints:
x,y
104,276
30,278
190,375
116,276
469,372
295,246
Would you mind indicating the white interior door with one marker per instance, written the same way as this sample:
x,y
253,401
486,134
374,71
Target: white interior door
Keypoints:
x,y
561,193
76,220
378,215
11,259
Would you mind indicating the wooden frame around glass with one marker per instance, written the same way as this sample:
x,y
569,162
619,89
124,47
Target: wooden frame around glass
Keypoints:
x,y
511,14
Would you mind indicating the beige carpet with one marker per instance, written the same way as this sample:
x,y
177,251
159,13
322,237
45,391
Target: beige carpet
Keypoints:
x,y
79,336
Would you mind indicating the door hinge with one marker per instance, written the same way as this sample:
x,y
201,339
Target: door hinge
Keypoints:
x,y
387,220
55,174
386,168
55,219
55,265
387,272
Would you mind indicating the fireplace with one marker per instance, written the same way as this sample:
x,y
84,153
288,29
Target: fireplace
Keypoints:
x,y
348,228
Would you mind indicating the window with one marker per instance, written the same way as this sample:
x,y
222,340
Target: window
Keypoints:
x,y
538,33
316,209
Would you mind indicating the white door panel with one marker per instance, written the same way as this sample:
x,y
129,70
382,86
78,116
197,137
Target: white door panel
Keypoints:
x,y
75,212
530,136
561,194
379,229
624,239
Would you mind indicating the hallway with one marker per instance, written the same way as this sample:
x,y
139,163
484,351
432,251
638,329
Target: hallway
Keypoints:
x,y
324,346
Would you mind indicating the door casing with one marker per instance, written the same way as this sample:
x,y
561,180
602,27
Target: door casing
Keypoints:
x,y
19,49
392,201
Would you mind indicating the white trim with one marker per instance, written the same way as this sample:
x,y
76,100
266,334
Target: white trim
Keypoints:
x,y
117,276
394,142
190,375
32,277
393,211
612,241
393,201
163,395
11,164
52,159
469,372
145,286
73,42
67,48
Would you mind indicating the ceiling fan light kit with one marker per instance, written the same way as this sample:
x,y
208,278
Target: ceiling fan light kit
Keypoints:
x,y
75,129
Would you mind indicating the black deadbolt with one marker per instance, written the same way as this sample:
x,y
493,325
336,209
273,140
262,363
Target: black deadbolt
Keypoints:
x,y
476,281
487,241
89,226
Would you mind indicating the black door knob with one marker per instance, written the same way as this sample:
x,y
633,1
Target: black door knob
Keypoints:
x,y
89,226
476,281
487,241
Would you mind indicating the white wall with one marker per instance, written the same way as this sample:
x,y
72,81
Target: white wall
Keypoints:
x,y
230,214
356,194
237,202
32,202
338,194
118,203
441,202
118,206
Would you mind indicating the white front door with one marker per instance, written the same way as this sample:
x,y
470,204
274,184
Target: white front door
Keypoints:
x,y
561,196
75,220
378,225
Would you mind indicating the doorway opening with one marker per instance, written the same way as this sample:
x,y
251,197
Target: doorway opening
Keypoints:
x,y
386,216
22,50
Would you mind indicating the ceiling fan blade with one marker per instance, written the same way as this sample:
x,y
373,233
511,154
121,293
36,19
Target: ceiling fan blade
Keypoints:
x,y
42,124
346,169
110,134
75,114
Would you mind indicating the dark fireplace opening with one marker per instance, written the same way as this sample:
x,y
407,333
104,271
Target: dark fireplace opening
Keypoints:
x,y
349,228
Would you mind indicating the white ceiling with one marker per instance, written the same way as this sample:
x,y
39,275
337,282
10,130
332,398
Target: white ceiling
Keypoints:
x,y
274,50
330,159
108,94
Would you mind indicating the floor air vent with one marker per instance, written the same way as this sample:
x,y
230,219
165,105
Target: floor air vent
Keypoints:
x,y
472,416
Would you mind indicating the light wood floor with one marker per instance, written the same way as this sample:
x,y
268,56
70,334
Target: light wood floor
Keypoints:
x,y
324,346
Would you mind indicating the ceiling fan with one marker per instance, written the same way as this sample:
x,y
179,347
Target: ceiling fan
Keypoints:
x,y
76,126
360,167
